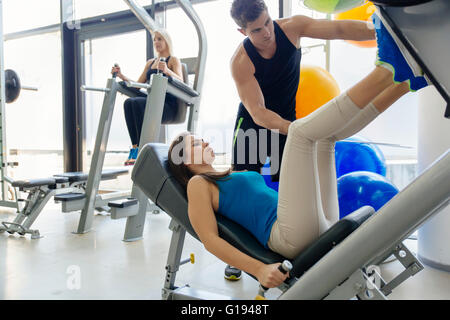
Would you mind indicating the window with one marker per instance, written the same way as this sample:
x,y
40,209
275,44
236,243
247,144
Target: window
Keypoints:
x,y
129,51
21,15
34,120
88,8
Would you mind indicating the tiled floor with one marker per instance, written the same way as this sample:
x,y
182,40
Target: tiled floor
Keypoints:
x,y
99,265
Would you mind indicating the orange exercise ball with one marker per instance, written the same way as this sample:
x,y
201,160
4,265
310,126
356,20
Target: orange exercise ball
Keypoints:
x,y
362,13
316,87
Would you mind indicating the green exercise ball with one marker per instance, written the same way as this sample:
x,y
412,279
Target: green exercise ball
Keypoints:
x,y
333,6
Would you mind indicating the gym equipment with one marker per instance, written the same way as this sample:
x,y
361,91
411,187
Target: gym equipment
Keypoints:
x,y
363,188
356,154
316,87
134,208
13,86
338,264
421,28
332,6
284,268
68,188
341,264
361,13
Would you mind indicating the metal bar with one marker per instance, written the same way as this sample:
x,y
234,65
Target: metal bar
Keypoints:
x,y
142,15
101,142
139,85
37,208
202,43
154,107
88,88
201,64
22,87
174,255
32,32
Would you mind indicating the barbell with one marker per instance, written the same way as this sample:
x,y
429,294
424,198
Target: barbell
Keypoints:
x,y
13,86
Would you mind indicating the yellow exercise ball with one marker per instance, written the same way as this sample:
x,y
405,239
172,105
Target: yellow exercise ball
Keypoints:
x,y
362,13
316,87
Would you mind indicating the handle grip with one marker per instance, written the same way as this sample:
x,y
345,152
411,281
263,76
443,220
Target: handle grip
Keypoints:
x,y
284,268
115,73
162,59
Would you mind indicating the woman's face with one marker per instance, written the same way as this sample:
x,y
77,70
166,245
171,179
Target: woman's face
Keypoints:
x,y
159,43
198,151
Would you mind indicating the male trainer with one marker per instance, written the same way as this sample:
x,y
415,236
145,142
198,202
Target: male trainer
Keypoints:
x,y
266,70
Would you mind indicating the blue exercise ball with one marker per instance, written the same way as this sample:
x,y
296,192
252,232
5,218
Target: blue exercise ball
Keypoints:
x,y
354,154
363,188
265,172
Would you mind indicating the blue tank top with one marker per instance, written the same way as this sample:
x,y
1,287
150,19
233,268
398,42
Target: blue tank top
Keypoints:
x,y
245,199
278,76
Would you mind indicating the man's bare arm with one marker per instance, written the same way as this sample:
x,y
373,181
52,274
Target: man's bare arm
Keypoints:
x,y
252,97
303,26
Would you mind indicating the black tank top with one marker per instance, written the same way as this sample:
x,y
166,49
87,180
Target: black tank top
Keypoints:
x,y
278,77
170,99
151,71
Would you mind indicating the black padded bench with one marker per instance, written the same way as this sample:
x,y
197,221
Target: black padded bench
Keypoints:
x,y
68,188
152,175
109,174
35,183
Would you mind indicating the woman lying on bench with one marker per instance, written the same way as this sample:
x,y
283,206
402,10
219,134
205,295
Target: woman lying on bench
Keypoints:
x,y
307,204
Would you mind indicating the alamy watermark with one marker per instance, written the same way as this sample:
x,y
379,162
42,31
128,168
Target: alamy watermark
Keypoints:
x,y
73,281
248,146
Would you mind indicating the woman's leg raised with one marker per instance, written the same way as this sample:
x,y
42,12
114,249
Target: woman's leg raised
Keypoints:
x,y
300,216
326,151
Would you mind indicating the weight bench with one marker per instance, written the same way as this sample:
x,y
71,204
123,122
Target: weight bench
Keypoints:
x,y
152,175
67,188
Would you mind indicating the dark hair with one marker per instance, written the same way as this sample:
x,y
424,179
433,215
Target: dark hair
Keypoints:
x,y
245,11
180,170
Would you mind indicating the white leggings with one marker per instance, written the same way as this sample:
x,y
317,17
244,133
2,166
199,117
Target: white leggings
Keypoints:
x,y
307,197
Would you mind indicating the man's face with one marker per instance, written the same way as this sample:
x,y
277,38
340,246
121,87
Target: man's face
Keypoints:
x,y
261,31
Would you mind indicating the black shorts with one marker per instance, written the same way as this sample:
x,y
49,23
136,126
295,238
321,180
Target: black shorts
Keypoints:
x,y
252,144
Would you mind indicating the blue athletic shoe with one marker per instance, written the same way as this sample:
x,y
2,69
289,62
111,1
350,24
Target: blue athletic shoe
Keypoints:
x,y
135,153
132,156
391,57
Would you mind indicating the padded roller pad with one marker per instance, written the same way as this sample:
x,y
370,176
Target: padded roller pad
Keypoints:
x,y
184,87
70,196
130,91
61,179
329,239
